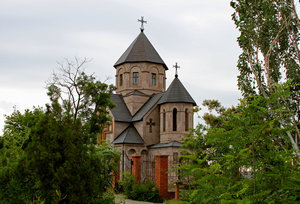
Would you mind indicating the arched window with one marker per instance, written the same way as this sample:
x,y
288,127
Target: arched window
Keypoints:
x,y
164,121
131,152
153,79
121,79
135,77
174,119
186,120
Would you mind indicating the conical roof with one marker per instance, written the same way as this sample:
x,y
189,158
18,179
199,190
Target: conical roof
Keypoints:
x,y
176,93
141,50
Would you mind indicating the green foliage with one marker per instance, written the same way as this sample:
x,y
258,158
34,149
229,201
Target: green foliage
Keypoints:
x,y
15,174
108,198
246,157
82,96
127,182
269,39
48,156
250,153
176,202
146,191
18,184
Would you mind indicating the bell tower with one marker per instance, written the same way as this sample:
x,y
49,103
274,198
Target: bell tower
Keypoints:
x,y
176,111
140,72
140,68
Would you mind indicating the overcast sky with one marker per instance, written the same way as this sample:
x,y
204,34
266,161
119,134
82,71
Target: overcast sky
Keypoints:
x,y
35,34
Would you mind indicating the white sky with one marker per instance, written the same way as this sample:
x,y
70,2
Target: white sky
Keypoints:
x,y
35,34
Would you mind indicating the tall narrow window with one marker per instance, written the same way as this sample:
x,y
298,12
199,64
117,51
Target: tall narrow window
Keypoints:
x,y
174,119
135,77
121,79
153,79
164,121
186,120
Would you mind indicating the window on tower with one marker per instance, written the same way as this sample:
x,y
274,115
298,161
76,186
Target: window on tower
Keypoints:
x,y
186,120
164,121
121,79
135,77
153,79
174,119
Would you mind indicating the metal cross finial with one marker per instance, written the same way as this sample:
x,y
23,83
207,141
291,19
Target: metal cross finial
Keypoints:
x,y
142,23
176,67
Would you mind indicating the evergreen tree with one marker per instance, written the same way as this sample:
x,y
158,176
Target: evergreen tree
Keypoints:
x,y
49,155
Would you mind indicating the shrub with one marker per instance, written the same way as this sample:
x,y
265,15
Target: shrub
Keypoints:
x,y
127,183
146,191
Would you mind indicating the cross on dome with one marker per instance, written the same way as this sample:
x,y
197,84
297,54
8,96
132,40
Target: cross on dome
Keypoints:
x,y
142,23
176,67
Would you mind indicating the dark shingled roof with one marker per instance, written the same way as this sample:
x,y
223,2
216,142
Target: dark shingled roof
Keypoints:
x,y
129,136
176,93
170,144
120,112
141,50
146,108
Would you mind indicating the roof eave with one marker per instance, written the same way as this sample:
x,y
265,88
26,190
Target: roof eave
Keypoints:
x,y
123,121
128,143
118,64
194,103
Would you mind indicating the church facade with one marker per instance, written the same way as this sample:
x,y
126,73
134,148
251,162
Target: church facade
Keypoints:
x,y
149,119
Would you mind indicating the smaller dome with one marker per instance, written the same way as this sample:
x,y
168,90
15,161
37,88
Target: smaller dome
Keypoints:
x,y
176,93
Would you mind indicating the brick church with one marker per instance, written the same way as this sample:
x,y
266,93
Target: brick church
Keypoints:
x,y
148,118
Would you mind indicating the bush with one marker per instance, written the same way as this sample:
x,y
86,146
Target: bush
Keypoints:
x,y
146,191
127,183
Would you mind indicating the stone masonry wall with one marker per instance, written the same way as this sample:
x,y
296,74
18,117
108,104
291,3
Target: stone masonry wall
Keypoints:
x,y
145,71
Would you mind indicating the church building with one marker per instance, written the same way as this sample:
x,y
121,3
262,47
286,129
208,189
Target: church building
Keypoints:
x,y
148,118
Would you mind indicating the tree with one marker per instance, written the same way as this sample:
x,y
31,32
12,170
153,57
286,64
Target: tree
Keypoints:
x,y
53,158
245,155
250,153
64,160
269,39
83,96
18,183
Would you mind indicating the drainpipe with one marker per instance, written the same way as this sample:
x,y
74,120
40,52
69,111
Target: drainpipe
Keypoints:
x,y
123,157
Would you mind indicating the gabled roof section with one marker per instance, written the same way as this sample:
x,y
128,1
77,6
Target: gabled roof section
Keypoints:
x,y
147,107
162,145
176,93
129,136
141,50
120,112
138,93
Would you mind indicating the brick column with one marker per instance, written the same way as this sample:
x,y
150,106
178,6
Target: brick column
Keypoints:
x,y
136,167
161,175
177,191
